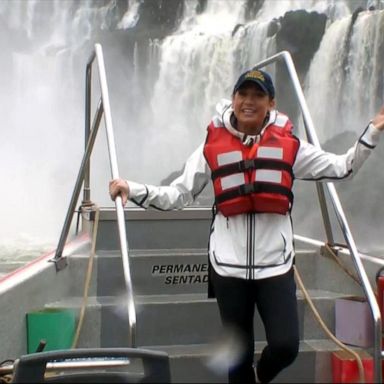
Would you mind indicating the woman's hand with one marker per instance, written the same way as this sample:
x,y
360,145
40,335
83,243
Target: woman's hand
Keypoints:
x,y
378,120
119,187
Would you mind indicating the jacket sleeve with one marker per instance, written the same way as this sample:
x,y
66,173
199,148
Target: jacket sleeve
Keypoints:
x,y
181,192
312,163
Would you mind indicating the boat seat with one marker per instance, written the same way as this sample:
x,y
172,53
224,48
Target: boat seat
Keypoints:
x,y
151,366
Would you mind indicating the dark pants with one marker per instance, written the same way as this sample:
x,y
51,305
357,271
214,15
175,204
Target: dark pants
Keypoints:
x,y
275,298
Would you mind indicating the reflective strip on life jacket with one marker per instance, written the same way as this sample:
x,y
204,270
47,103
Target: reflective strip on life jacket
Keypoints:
x,y
268,176
270,152
229,157
245,165
232,181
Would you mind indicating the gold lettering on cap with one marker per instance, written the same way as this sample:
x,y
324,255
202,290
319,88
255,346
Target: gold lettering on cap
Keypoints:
x,y
255,75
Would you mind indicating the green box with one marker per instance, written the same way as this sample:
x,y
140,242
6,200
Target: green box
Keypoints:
x,y
54,325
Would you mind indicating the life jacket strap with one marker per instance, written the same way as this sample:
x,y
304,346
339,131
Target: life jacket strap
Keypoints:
x,y
256,187
245,165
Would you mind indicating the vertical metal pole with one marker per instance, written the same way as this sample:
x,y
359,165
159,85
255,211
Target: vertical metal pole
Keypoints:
x,y
76,192
324,209
325,214
88,87
118,201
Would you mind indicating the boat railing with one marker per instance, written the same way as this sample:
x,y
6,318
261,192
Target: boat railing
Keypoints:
x,y
103,109
329,187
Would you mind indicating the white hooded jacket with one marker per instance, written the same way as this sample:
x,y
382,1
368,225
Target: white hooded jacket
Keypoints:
x,y
255,245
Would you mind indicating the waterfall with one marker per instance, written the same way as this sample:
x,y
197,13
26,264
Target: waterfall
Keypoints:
x,y
131,17
207,52
163,90
354,85
325,69
43,44
344,90
198,56
364,77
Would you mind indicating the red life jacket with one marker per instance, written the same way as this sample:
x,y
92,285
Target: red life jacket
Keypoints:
x,y
255,178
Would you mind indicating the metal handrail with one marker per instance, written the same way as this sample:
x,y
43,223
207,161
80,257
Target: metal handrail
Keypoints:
x,y
103,108
329,186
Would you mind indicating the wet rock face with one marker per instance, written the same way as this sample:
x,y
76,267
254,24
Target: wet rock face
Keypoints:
x,y
159,18
252,8
201,6
299,32
156,20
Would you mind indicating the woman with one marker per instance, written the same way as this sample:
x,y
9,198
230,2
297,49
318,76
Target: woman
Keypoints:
x,y
252,158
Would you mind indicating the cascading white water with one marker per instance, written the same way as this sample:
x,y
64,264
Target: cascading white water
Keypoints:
x,y
197,57
42,115
364,78
343,81
325,69
42,91
131,17
344,90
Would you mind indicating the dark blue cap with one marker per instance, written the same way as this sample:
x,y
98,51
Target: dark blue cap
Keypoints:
x,y
261,78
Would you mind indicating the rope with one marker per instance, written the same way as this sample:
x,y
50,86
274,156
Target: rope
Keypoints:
x,y
87,278
326,329
341,265
5,379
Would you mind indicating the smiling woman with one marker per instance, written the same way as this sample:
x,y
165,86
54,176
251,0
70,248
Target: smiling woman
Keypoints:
x,y
253,98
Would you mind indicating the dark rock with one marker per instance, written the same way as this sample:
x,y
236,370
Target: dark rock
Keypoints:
x,y
356,13
273,27
201,6
252,8
237,27
158,18
300,33
347,45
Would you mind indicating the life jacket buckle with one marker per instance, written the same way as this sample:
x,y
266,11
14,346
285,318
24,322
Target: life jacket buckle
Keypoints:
x,y
246,189
245,165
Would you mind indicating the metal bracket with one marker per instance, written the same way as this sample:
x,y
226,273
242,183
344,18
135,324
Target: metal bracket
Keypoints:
x,y
60,263
326,251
